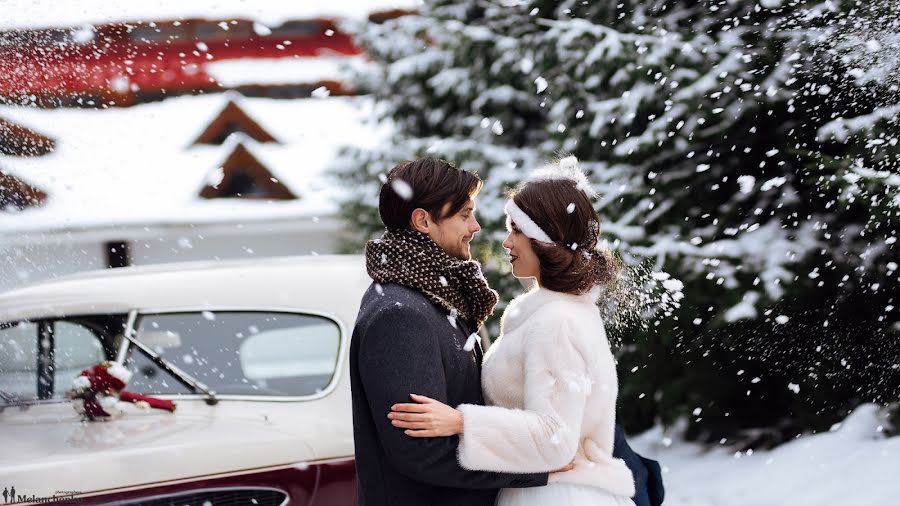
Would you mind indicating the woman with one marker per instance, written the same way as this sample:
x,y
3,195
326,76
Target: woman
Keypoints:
x,y
550,378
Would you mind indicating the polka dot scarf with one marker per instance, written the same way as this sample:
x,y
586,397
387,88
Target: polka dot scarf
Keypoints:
x,y
410,258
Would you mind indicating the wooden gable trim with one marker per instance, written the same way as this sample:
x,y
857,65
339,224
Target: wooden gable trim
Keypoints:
x,y
17,194
240,166
230,120
17,140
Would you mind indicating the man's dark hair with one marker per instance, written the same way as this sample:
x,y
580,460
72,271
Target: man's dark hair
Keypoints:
x,y
426,183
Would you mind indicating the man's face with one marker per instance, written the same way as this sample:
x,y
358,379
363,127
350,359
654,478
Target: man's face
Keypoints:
x,y
454,233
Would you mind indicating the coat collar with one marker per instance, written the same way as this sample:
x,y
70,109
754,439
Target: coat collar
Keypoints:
x,y
524,306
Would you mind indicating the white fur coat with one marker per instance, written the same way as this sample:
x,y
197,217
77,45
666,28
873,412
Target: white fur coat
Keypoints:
x,y
550,382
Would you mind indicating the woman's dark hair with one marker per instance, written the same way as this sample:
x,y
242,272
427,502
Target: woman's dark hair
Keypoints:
x,y
426,183
572,264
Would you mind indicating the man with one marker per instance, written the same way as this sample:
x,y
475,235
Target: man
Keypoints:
x,y
412,335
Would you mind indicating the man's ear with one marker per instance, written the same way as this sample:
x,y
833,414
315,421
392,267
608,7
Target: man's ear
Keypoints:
x,y
420,220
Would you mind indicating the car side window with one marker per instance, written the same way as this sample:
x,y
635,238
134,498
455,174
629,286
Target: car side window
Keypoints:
x,y
237,352
18,360
75,349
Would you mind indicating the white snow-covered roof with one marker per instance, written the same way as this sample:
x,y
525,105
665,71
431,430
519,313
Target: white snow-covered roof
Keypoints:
x,y
273,71
28,14
137,165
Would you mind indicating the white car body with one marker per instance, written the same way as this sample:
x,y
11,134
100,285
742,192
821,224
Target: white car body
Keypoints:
x,y
47,450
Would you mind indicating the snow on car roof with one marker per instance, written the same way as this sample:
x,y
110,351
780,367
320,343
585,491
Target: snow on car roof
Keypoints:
x,y
137,165
65,13
330,283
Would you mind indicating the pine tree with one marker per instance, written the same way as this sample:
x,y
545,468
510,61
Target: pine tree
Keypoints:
x,y
748,150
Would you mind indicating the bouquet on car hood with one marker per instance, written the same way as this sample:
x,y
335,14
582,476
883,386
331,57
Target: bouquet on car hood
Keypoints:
x,y
98,390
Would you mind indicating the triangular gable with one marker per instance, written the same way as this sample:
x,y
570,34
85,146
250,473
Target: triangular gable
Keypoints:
x,y
232,119
16,194
243,176
17,140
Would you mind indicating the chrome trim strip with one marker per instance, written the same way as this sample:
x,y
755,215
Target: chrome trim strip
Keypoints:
x,y
129,331
224,474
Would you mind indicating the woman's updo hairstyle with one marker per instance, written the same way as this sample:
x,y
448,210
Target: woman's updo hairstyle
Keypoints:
x,y
560,207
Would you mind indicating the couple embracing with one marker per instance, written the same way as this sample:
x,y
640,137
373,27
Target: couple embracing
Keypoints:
x,y
532,421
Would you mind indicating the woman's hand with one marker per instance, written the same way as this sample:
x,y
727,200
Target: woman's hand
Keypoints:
x,y
568,467
426,418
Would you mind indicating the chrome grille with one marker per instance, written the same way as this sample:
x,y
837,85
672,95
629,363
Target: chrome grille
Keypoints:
x,y
214,497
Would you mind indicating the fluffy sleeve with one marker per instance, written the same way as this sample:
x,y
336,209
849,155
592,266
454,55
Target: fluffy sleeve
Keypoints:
x,y
543,436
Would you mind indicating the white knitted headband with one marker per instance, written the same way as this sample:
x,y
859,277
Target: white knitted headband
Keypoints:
x,y
525,223
567,168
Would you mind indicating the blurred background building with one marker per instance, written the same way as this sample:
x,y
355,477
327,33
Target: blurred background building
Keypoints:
x,y
145,134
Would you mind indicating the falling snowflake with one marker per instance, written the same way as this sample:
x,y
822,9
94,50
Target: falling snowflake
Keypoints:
x,y
402,188
470,342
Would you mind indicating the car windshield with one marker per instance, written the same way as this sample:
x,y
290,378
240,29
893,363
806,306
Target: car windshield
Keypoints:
x,y
237,352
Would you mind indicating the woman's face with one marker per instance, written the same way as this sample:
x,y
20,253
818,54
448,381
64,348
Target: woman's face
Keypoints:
x,y
524,261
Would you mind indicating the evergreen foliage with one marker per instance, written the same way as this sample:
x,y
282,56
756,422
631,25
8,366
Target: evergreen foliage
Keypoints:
x,y
748,149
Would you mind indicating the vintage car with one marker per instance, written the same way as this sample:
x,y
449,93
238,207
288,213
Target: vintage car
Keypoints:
x,y
253,353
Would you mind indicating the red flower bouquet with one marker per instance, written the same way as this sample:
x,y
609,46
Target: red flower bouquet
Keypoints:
x,y
99,389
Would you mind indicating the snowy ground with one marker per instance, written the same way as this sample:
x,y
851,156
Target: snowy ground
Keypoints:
x,y
853,465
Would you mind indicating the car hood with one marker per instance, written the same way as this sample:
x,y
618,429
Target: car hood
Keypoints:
x,y
47,449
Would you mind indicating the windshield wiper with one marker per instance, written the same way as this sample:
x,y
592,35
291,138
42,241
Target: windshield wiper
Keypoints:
x,y
185,378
